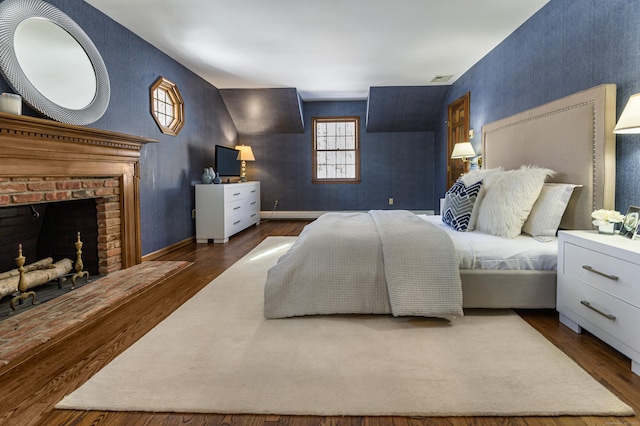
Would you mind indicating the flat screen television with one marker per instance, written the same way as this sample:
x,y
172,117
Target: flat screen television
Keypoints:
x,y
226,162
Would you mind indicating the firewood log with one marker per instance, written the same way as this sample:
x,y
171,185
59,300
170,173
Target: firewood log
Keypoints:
x,y
37,277
40,264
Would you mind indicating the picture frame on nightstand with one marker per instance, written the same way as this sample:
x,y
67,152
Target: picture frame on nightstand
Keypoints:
x,y
631,223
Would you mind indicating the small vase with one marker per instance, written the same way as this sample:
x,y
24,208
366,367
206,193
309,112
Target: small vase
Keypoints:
x,y
606,228
206,176
217,178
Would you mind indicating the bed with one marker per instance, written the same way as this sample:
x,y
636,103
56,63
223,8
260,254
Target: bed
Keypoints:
x,y
572,136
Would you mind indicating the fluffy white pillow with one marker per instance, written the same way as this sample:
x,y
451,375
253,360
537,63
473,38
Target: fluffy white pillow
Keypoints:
x,y
546,213
471,178
508,199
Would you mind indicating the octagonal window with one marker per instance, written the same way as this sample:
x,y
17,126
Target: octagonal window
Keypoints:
x,y
167,106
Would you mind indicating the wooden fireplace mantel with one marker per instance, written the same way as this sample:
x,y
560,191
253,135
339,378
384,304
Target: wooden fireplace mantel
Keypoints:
x,y
36,147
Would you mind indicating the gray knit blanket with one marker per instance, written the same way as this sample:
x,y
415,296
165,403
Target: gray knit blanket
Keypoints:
x,y
380,262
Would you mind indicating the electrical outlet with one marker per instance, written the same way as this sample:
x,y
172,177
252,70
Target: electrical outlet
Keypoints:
x,y
390,201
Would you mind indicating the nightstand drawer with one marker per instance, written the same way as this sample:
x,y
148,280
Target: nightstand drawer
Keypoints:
x,y
609,274
613,316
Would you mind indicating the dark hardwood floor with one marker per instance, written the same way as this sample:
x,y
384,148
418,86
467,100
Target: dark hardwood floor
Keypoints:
x,y
29,392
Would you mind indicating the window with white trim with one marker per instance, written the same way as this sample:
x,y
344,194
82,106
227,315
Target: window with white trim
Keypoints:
x,y
336,149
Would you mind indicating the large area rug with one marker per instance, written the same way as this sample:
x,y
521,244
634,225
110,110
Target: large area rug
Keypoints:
x,y
217,354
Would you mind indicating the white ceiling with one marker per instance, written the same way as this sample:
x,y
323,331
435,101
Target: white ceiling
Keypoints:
x,y
327,49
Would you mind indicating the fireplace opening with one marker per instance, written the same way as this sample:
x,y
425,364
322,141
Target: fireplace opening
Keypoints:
x,y
49,230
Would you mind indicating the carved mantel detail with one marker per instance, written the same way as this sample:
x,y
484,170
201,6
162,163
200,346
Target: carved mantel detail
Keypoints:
x,y
35,147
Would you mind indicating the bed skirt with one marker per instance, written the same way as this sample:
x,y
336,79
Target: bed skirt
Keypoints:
x,y
498,289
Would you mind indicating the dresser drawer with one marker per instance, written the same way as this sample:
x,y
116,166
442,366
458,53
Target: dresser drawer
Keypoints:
x,y
237,223
600,312
609,274
236,192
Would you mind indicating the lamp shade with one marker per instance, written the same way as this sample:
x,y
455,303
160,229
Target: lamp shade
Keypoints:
x,y
463,150
629,121
245,153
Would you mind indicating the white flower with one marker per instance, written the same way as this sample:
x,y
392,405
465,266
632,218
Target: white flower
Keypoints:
x,y
603,215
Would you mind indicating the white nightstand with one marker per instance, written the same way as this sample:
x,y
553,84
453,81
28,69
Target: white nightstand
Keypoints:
x,y
599,288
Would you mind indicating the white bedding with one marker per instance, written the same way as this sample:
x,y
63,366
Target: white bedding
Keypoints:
x,y
477,250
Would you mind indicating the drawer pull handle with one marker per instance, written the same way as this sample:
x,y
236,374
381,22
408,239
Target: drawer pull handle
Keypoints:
x,y
595,271
253,203
604,314
237,193
237,222
253,191
237,208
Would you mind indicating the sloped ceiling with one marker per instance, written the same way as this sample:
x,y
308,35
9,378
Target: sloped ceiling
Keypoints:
x,y
405,109
264,111
389,109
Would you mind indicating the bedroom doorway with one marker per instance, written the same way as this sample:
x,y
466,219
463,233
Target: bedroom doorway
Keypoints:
x,y
457,131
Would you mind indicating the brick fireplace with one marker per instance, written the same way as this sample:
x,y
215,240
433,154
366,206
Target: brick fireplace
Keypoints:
x,y
18,191
45,161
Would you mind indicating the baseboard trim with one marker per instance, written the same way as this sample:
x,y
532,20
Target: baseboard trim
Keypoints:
x,y
158,253
275,215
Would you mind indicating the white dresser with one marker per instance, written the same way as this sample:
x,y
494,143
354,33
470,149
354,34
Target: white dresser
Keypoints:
x,y
599,288
225,209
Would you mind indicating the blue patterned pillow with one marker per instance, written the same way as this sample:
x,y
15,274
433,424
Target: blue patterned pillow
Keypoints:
x,y
458,204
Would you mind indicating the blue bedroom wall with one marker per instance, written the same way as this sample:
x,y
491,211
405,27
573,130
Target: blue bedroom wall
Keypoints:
x,y
171,167
393,164
568,46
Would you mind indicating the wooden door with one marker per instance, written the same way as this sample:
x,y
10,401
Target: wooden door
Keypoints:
x,y
457,131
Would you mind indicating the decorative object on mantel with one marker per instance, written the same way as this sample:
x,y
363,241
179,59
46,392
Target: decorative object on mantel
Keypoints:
x,y
217,179
631,223
245,154
11,103
606,220
72,87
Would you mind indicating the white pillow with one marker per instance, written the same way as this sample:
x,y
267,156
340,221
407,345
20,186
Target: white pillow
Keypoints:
x,y
469,179
508,199
546,213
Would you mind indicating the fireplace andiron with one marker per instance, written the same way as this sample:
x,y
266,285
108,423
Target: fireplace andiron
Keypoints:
x,y
79,264
22,284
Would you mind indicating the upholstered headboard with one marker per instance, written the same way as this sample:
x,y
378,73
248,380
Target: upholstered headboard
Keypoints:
x,y
573,136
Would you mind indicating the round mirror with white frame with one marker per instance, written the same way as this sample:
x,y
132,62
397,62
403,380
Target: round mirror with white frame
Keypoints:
x,y
51,62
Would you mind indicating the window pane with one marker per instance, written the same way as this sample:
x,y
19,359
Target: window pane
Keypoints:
x,y
321,129
350,142
350,128
321,171
331,142
321,142
350,171
331,158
